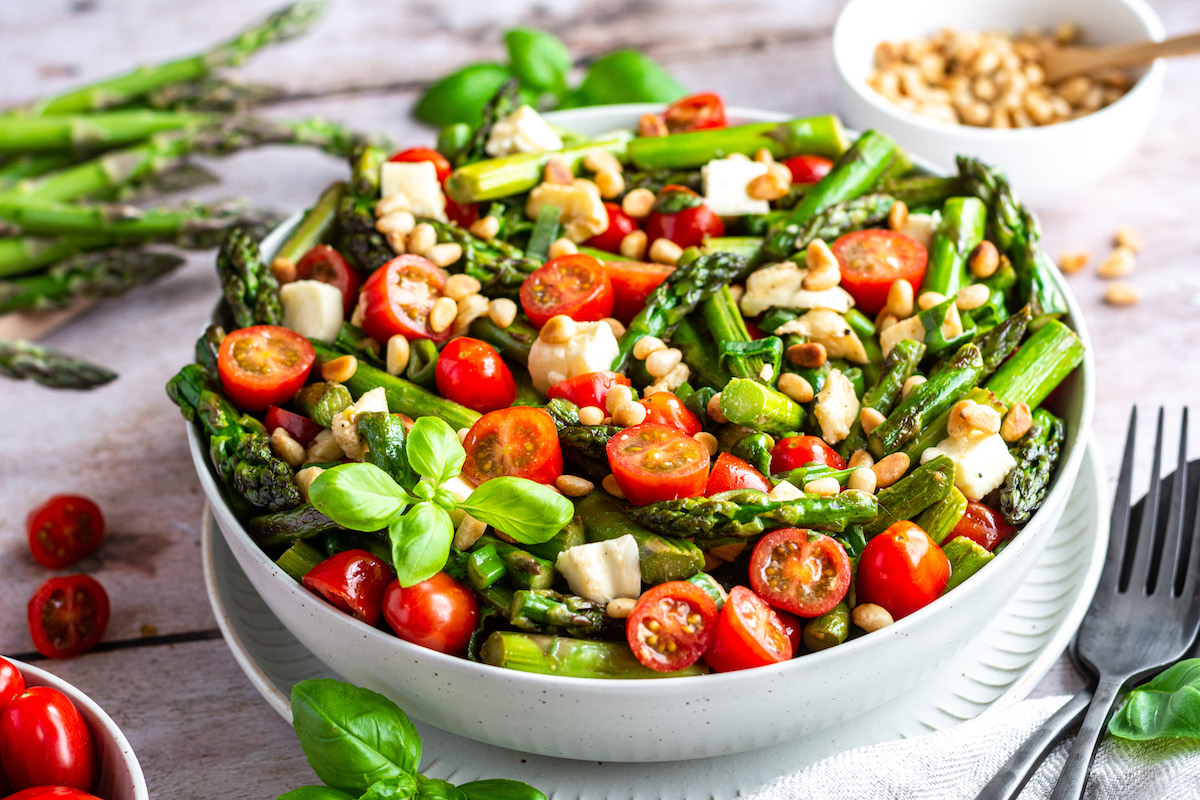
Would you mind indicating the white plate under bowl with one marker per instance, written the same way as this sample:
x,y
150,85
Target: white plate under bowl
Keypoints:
x,y
997,669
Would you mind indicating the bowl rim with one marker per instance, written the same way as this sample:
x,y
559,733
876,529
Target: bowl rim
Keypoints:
x,y
902,628
1148,82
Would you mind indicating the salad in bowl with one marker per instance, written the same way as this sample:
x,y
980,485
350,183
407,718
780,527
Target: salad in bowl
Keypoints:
x,y
681,399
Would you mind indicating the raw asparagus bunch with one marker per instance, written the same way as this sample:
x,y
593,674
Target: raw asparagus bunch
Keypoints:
x,y
24,360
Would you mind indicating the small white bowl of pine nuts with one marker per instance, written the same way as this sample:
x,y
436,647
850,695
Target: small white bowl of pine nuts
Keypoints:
x,y
945,77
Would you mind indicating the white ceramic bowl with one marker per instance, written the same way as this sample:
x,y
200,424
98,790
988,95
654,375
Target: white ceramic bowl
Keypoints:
x,y
1044,163
657,720
120,776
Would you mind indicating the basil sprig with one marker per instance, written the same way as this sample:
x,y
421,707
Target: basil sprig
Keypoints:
x,y
1165,707
364,497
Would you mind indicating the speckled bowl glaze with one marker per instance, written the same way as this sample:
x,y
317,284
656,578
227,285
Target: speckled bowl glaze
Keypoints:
x,y
658,720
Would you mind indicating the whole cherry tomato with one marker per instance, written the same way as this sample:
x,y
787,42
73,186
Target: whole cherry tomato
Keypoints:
x,y
681,216
12,682
620,225
298,426
589,389
353,581
695,112
463,215
632,282
324,264
872,259
800,571
517,441
902,569
398,297
982,525
574,284
808,169
417,154
671,625
657,462
44,741
263,365
800,451
438,613
67,616
730,472
664,408
749,634
471,373
63,530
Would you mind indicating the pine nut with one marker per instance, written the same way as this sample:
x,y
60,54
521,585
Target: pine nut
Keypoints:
x,y
398,242
890,469
629,414
610,183
502,311
559,329
469,531
900,299
398,352
808,355
862,479
600,160
651,125
442,315
1119,293
984,260
818,256
885,320
861,458
485,228
1127,237
664,251
633,245
284,270
982,418
618,396
459,286
422,238
340,369
287,448
1073,261
620,607
398,201
870,418
911,383
930,299
660,362
796,387
713,409
1118,264
898,215
610,485
470,308
323,448
562,247
590,416
396,222
306,476
709,441
1017,422
646,345
768,186
736,290
824,487
638,203
972,296
557,171
573,485
871,617
445,254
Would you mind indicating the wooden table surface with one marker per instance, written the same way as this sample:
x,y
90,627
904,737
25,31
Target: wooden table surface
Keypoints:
x,y
164,673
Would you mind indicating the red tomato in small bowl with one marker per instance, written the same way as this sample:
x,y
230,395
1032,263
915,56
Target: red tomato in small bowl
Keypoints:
x,y
872,259
298,426
518,441
671,625
67,615
44,741
620,225
12,682
324,264
807,168
749,634
63,530
575,284
353,581
730,472
589,389
902,569
800,451
263,365
417,154
471,373
653,462
664,408
439,613
398,297
982,525
686,228
697,112
633,281
800,571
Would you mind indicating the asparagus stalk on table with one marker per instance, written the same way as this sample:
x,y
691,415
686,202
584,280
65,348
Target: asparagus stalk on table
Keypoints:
x,y
84,132
24,360
102,273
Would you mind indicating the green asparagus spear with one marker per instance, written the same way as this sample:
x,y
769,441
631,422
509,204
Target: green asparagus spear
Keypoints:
x,y
756,405
24,360
966,557
485,567
699,349
322,401
912,494
961,229
512,342
727,327
314,226
748,512
299,560
755,449
940,518
564,413
249,286
1043,361
821,135
500,267
923,190
827,630
356,238
898,367
196,226
21,255
1037,455
662,558
572,658
215,95
284,528
525,570
1001,341
102,273
571,535
583,446
789,237
32,166
925,402
81,133
549,612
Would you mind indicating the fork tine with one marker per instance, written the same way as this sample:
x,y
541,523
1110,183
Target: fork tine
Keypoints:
x,y
1119,525
1143,546
1174,551
1191,570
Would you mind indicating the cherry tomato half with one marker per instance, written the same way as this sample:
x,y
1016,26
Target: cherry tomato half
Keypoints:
x,y
749,634
687,227
398,297
982,525
574,284
620,225
438,613
730,472
471,373
632,282
696,112
902,569
800,571
51,793
415,154
63,530
664,408
44,741
263,365
462,215
517,441
799,451
794,629
671,625
324,264
67,615
353,581
298,426
589,389
653,462
872,259
808,169
12,682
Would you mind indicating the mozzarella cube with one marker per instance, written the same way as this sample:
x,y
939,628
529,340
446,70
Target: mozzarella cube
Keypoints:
x,y
922,227
981,462
523,131
593,348
725,182
345,423
911,328
312,309
771,287
830,329
836,407
603,571
417,181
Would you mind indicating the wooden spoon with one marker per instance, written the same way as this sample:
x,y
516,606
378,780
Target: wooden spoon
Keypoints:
x,y
1066,62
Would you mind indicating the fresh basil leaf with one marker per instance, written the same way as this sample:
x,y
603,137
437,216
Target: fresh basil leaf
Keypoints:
x,y
420,543
1166,707
528,511
361,497
499,789
402,787
352,736
461,96
315,793
439,790
539,59
434,450
626,76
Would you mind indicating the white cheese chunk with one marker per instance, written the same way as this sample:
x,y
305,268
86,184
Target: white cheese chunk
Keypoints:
x,y
583,213
312,309
523,131
830,329
922,227
981,461
592,349
725,182
461,489
603,571
418,182
836,407
345,423
911,328
784,491
780,286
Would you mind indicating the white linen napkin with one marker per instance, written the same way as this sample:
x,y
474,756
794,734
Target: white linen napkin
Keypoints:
x,y
957,762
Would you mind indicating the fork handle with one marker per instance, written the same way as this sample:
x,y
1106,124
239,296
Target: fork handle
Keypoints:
x,y
1079,760
1016,772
